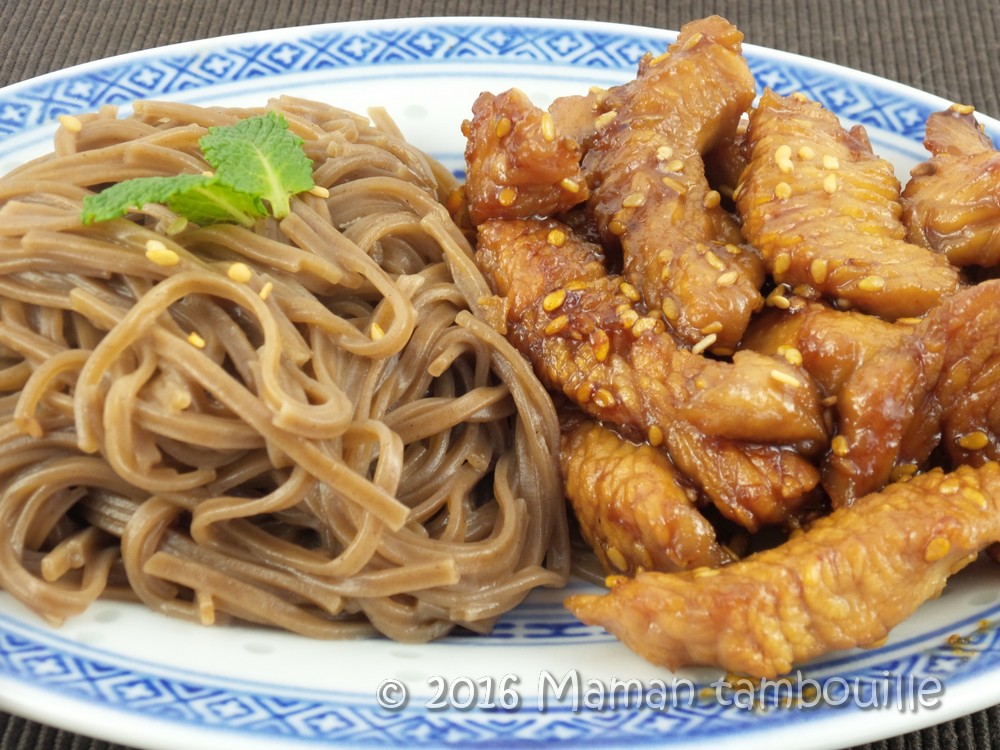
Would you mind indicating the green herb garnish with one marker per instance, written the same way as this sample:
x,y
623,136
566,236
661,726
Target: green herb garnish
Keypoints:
x,y
258,163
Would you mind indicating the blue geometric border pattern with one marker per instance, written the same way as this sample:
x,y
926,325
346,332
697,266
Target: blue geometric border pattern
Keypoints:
x,y
326,49
702,712
355,46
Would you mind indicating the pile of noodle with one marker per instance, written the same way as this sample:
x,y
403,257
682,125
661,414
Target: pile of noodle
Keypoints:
x,y
350,448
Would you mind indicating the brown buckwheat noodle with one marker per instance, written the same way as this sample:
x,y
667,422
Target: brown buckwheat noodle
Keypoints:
x,y
333,444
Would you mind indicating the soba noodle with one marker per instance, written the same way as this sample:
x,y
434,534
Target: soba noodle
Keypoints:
x,y
333,444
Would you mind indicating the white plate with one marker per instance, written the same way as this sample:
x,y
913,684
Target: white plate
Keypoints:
x,y
127,675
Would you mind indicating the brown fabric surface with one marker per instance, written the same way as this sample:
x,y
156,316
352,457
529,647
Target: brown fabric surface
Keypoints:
x,y
947,48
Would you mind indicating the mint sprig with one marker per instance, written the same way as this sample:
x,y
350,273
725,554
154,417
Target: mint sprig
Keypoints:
x,y
258,163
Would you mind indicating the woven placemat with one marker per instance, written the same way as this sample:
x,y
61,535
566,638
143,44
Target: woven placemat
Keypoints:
x,y
951,49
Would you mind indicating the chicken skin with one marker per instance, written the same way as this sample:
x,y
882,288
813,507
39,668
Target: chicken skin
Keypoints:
x,y
649,192
844,582
635,509
824,212
587,336
952,202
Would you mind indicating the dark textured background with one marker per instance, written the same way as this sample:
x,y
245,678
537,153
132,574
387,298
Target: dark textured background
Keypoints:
x,y
947,47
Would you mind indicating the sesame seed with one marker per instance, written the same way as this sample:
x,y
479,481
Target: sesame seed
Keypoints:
x,y
576,286
655,435
830,183
829,401
553,300
974,441
782,152
962,109
670,309
783,377
71,123
507,196
692,40
659,58
818,270
674,165
556,325
840,446
936,549
503,127
642,325
727,279
786,166
177,226
798,96
706,342
617,559
606,119
570,186
582,393
665,273
970,493
674,185
195,340
902,472
793,356
830,162
782,263
704,572
601,345
616,227
778,300
265,291
207,173
376,332
596,90
909,321
783,191
733,249
634,200
319,191
240,272
949,486
714,327
629,291
604,398
628,317
548,127
664,153
806,153
871,283
556,237
714,261
160,254
712,199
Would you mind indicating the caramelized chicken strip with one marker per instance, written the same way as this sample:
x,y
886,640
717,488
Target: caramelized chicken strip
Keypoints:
x,y
952,202
649,190
845,582
823,210
940,385
586,337
518,164
829,344
634,508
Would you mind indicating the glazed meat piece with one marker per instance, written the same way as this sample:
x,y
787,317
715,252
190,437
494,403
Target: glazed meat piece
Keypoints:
x,y
940,385
634,508
518,164
952,202
587,337
823,210
649,191
845,582
830,344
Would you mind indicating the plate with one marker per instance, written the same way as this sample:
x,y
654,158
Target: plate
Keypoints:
x,y
541,679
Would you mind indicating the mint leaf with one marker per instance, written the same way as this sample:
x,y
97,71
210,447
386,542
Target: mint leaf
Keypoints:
x,y
133,194
260,156
216,203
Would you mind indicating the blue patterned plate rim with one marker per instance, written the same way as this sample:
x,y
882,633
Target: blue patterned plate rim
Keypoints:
x,y
151,704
